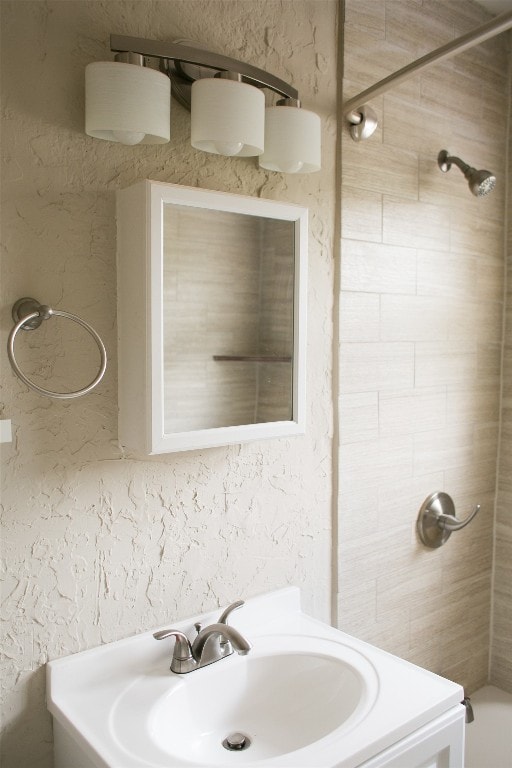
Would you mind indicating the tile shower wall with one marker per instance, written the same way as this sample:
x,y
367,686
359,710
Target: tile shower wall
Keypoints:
x,y
420,328
98,545
501,647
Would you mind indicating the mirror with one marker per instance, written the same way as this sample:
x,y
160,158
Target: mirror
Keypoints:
x,y
228,318
225,280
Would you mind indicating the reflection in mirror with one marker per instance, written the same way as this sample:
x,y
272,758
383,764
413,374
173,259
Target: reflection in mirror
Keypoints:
x,y
228,318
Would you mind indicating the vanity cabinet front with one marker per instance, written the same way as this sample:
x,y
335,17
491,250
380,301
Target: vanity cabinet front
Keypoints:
x,y
439,744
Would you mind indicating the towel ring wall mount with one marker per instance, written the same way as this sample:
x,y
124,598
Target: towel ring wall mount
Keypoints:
x,y
29,314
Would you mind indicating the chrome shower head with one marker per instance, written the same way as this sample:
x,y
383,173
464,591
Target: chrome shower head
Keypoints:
x,y
480,182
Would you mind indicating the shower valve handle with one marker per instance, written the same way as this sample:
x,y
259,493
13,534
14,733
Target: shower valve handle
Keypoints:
x,y
451,523
437,520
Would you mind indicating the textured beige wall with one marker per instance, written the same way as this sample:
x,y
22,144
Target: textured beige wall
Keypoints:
x,y
96,546
421,316
501,648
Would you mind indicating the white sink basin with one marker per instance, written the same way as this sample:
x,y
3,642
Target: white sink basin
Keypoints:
x,y
305,696
287,694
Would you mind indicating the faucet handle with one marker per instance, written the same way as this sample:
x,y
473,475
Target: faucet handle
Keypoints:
x,y
224,643
182,656
224,617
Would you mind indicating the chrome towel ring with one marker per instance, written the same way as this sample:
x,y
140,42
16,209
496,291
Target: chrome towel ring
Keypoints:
x,y
28,314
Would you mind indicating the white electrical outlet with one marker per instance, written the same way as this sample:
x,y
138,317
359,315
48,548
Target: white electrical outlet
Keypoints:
x,y
5,431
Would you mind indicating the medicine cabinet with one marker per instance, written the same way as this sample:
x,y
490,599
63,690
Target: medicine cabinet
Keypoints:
x,y
211,318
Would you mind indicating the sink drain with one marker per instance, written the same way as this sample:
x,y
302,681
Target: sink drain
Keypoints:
x,y
236,742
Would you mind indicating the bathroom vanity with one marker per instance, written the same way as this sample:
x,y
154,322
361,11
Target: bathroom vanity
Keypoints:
x,y
304,695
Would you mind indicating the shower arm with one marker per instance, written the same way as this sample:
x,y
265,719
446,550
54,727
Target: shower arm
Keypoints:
x,y
363,120
452,160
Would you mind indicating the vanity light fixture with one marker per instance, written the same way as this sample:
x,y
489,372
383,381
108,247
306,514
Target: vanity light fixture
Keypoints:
x,y
227,116
292,138
129,102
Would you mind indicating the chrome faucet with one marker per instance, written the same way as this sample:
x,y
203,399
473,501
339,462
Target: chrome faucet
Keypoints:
x,y
211,644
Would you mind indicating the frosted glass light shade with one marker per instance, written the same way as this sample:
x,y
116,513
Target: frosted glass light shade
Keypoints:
x,y
228,117
292,140
127,103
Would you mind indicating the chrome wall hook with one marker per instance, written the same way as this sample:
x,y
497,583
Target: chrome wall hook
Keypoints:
x,y
437,519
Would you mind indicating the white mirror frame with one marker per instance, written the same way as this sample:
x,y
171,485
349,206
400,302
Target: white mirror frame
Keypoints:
x,y
140,257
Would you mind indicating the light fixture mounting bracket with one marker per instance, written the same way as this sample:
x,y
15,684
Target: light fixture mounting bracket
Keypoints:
x,y
186,61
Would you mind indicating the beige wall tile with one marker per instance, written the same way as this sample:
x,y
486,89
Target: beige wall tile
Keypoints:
x,y
409,411
360,317
374,167
359,417
442,449
446,362
426,653
388,458
361,216
490,275
379,552
449,93
480,405
379,365
407,587
368,16
415,225
472,636
363,515
373,55
427,318
415,28
475,320
458,598
472,480
470,672
358,601
446,275
403,125
389,632
399,503
476,232
378,268
461,17
419,318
